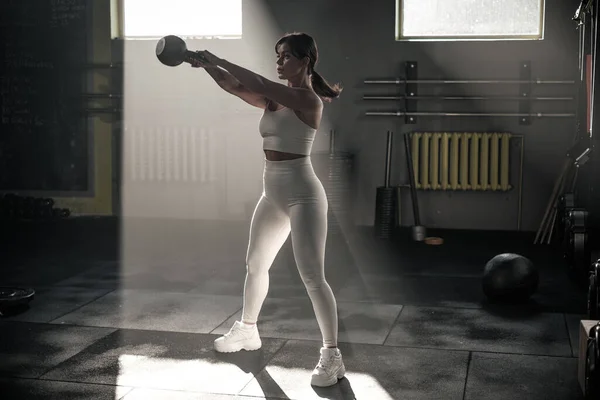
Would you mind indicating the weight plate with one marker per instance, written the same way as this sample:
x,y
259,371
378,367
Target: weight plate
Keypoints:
x,y
12,296
593,297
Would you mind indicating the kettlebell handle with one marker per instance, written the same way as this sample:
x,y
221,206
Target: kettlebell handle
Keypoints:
x,y
196,56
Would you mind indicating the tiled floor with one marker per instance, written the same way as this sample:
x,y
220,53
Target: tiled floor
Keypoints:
x,y
130,310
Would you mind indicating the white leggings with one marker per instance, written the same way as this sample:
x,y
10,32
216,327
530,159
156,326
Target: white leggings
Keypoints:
x,y
293,199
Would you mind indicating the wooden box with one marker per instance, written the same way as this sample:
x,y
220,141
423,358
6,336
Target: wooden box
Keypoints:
x,y
584,330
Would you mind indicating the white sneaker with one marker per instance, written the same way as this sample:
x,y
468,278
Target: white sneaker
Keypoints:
x,y
329,369
239,337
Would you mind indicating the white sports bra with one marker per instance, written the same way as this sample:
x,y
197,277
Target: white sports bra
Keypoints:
x,y
283,131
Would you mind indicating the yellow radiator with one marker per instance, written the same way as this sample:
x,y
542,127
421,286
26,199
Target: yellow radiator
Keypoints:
x,y
461,161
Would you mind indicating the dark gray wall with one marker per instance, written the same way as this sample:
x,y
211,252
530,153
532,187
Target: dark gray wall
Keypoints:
x,y
356,41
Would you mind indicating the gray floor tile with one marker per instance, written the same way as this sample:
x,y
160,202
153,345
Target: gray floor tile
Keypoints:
x,y
481,330
446,290
219,286
229,281
573,325
129,275
53,302
284,279
105,277
513,376
162,311
295,319
165,360
43,272
28,350
559,295
179,242
373,372
34,389
149,394
413,290
161,260
279,287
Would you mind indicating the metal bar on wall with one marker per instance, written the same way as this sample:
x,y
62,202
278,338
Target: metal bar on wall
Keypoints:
x,y
400,81
491,98
465,114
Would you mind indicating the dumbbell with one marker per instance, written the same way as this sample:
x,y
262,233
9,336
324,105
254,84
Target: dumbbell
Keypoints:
x,y
171,50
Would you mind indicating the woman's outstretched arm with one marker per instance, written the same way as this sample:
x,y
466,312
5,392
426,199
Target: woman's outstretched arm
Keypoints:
x,y
291,97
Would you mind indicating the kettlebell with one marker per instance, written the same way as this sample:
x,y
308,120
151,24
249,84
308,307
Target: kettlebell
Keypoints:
x,y
171,50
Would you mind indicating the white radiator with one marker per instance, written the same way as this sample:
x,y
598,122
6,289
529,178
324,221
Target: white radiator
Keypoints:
x,y
170,154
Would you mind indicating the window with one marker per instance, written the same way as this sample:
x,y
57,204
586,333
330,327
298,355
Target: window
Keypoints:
x,y
469,19
189,19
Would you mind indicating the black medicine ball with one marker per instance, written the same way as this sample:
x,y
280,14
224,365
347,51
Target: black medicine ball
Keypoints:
x,y
510,277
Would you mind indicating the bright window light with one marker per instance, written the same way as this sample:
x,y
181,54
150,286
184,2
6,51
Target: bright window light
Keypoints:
x,y
469,19
189,19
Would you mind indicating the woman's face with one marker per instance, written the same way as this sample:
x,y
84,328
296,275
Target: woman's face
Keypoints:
x,y
289,66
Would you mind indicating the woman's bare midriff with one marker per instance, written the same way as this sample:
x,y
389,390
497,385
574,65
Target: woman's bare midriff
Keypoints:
x,y
273,155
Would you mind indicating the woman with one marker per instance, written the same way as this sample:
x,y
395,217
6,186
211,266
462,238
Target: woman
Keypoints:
x,y
293,198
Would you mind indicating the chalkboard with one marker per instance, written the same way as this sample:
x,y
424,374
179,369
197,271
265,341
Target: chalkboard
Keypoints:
x,y
43,132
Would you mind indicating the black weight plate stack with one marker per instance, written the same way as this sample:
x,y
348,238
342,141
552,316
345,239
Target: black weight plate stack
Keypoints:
x,y
14,207
566,204
567,242
385,211
578,254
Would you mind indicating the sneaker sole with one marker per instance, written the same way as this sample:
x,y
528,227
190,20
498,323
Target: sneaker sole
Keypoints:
x,y
341,373
236,349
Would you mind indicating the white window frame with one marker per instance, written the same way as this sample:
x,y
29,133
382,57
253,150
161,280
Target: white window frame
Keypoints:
x,y
401,37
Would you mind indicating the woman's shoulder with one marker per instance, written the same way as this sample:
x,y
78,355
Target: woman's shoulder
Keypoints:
x,y
272,105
